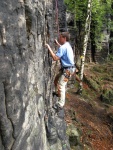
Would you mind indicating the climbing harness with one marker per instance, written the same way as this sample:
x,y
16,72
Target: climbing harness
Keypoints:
x,y
67,72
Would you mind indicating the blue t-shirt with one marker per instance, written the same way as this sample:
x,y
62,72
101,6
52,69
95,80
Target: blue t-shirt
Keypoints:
x,y
65,53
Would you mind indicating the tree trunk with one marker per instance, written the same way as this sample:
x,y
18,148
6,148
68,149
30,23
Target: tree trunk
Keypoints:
x,y
86,36
93,46
111,36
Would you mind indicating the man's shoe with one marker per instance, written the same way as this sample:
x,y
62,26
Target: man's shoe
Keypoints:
x,y
79,91
57,106
55,94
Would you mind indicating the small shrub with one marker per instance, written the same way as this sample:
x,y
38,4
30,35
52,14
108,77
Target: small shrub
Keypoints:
x,y
107,96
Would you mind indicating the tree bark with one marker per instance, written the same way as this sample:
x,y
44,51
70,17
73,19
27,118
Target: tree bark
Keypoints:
x,y
85,42
111,36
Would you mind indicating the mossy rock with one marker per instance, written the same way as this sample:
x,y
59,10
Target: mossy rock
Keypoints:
x,y
74,136
93,82
107,96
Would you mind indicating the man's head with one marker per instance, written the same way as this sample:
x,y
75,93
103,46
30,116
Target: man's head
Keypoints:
x,y
64,37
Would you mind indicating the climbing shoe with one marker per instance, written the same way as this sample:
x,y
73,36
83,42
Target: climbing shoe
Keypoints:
x,y
79,91
55,94
57,106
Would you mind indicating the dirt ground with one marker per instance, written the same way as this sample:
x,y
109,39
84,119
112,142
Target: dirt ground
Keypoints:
x,y
93,117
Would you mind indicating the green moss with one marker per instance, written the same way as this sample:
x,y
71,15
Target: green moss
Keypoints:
x,y
98,69
110,57
93,83
107,96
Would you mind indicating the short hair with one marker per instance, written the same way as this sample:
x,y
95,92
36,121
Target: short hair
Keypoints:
x,y
66,35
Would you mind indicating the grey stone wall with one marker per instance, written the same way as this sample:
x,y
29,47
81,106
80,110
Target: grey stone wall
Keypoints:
x,y
24,63
25,73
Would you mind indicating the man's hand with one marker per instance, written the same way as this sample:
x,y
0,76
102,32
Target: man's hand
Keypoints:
x,y
52,53
47,45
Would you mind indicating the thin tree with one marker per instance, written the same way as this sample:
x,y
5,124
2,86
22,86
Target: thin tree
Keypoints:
x,y
86,37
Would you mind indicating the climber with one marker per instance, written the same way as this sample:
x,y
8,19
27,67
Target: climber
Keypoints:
x,y
66,57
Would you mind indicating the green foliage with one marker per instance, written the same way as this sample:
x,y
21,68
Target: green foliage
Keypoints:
x,y
70,4
98,69
107,96
79,8
110,57
101,11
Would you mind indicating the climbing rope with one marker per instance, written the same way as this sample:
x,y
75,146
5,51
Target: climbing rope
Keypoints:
x,y
57,21
57,24
57,31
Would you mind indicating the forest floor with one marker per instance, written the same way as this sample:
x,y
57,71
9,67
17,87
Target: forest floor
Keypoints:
x,y
92,112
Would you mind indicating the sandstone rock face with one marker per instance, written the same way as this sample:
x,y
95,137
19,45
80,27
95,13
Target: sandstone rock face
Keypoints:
x,y
25,73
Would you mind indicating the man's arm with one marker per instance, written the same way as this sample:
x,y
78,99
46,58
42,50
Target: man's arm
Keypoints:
x,y
55,58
